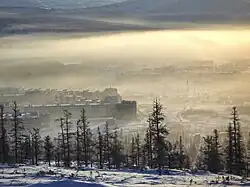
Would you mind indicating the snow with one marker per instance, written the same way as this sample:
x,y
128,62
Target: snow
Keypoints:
x,y
67,183
27,176
61,4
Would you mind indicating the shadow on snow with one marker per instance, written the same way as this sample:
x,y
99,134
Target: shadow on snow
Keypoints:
x,y
67,183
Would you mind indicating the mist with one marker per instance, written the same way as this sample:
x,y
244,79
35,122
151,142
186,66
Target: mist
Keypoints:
x,y
195,73
210,59
138,47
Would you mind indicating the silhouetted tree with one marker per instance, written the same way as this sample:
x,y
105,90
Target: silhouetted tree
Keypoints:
x,y
187,162
67,117
4,143
107,146
87,139
148,148
37,144
57,150
235,120
90,147
61,141
207,153
138,149
211,153
159,134
16,131
229,149
217,160
100,144
116,150
48,149
235,140
170,154
178,156
181,154
133,152
144,156
241,166
26,148
248,154
127,145
78,139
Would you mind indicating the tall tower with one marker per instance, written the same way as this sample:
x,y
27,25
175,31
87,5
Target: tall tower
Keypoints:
x,y
187,96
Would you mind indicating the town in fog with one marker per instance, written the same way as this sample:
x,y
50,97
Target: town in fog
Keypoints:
x,y
109,93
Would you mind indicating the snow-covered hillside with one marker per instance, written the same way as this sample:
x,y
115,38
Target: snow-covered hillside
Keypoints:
x,y
141,6
38,176
18,3
167,10
180,6
61,4
179,10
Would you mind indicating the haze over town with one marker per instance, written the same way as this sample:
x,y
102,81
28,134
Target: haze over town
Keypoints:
x,y
213,61
114,58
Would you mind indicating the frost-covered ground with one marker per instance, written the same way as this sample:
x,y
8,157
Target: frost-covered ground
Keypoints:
x,y
27,176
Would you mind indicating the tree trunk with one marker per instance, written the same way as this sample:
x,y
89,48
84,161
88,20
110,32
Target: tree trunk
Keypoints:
x,y
4,156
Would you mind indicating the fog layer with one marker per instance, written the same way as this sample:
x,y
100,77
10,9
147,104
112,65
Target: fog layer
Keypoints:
x,y
159,46
214,60
197,74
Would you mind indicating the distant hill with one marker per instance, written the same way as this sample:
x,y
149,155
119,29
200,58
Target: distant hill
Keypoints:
x,y
209,7
169,10
56,4
133,6
19,3
180,10
84,15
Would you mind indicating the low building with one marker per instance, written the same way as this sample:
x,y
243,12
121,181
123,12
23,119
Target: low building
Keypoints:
x,y
123,110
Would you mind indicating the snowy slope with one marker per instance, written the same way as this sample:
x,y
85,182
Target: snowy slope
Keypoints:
x,y
185,8
134,6
172,10
78,3
141,6
209,7
27,176
19,3
62,4
181,6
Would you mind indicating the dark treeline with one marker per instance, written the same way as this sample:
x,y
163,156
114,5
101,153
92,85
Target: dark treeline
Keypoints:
x,y
77,145
231,156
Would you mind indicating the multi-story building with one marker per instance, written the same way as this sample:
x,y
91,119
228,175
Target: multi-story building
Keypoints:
x,y
107,104
123,110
